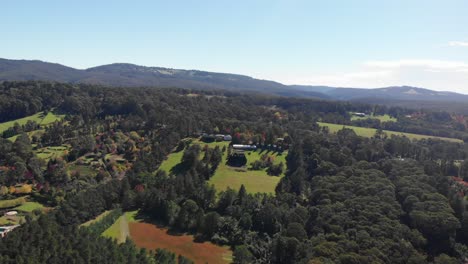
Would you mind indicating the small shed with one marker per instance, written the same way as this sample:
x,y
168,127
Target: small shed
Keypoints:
x,y
11,213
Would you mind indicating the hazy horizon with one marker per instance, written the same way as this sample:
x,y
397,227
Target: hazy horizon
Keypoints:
x,y
361,44
292,84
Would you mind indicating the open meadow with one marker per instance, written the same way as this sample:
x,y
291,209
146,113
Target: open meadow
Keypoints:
x,y
39,118
370,132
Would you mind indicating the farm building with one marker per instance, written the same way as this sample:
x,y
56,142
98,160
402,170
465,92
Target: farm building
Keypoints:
x,y
11,213
244,147
360,114
5,229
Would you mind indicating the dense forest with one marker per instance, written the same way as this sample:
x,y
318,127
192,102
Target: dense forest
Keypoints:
x,y
343,198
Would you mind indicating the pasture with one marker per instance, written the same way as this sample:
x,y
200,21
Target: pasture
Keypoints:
x,y
39,118
370,132
29,207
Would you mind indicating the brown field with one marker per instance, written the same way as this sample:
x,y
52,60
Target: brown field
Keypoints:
x,y
151,237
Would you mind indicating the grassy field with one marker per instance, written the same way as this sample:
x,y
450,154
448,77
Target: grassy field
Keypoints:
x,y
382,118
119,230
51,118
39,118
254,180
29,207
370,132
12,203
172,160
226,176
98,218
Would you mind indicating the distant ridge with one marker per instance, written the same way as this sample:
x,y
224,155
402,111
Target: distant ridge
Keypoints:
x,y
130,75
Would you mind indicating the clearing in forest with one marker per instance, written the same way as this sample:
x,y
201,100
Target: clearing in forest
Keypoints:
x,y
255,181
151,237
39,118
370,132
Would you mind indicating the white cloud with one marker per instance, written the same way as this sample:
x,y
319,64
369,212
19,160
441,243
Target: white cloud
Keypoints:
x,y
458,43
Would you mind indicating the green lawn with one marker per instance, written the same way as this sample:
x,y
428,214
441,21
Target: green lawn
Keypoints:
x,y
51,118
172,160
120,230
22,121
370,132
29,207
382,118
255,181
226,176
38,118
12,203
98,218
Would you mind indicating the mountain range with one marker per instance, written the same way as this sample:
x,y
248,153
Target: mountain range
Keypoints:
x,y
130,75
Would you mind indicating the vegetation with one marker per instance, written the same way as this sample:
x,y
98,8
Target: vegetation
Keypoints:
x,y
12,203
97,219
29,207
339,197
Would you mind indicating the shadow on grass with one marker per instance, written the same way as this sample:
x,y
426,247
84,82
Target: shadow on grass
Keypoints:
x,y
179,169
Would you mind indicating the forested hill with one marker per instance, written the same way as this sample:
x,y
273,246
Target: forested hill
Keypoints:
x,y
130,75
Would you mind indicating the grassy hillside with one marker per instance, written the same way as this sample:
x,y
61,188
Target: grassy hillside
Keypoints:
x,y
39,118
370,132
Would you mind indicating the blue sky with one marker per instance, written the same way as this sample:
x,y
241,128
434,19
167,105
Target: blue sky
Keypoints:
x,y
337,43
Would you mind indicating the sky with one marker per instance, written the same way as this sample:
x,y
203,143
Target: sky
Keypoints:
x,y
364,44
